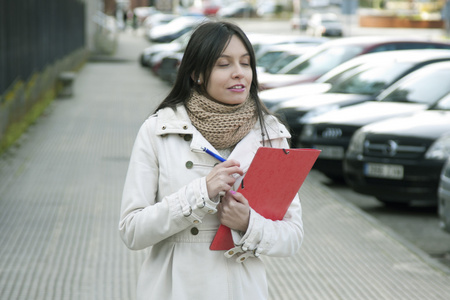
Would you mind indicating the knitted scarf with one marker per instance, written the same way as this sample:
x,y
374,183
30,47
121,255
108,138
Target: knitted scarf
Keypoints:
x,y
221,124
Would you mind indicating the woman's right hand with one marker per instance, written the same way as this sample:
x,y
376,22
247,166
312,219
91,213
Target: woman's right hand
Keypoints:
x,y
221,177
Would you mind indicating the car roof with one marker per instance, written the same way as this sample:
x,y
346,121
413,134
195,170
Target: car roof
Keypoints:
x,y
374,40
270,38
416,55
289,47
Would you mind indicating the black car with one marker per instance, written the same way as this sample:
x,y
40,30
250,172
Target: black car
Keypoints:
x,y
399,160
358,80
169,67
332,131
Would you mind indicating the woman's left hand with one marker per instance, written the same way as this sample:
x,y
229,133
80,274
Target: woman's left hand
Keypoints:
x,y
234,211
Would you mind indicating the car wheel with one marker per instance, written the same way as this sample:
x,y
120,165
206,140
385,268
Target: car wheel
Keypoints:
x,y
335,178
444,215
393,203
142,61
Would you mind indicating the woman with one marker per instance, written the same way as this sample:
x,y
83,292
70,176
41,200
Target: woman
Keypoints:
x,y
176,195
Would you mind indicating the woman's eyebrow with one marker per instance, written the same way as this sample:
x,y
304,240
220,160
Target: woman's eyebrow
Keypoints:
x,y
225,55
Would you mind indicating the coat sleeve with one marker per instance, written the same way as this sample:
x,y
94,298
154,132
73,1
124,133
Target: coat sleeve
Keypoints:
x,y
275,238
144,221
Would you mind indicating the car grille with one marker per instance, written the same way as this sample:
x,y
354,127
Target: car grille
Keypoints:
x,y
329,131
395,147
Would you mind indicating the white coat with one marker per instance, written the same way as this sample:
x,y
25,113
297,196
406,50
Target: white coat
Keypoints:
x,y
165,208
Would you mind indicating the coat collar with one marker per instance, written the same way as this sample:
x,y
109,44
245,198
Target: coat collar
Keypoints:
x,y
177,121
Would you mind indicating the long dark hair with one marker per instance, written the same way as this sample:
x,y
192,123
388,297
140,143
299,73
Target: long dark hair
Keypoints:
x,y
205,46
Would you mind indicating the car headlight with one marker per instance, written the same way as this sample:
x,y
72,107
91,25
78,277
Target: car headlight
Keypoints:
x,y
356,145
440,149
308,131
316,112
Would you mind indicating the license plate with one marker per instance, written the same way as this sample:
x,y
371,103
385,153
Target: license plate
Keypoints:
x,y
331,152
383,171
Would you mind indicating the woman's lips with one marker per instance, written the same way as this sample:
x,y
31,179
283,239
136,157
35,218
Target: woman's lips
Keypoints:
x,y
237,88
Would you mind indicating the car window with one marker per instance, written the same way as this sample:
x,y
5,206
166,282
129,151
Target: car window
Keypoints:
x,y
407,46
386,47
444,103
371,80
281,62
343,75
427,88
266,59
325,60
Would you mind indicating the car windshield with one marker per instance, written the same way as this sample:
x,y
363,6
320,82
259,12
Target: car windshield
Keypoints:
x,y
268,58
427,88
444,103
326,60
281,62
331,23
367,80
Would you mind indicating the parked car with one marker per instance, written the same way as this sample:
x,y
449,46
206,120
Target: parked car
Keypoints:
x,y
444,197
269,8
355,81
261,42
299,22
237,10
153,54
166,33
156,20
331,132
287,57
143,12
211,8
325,24
169,67
276,56
399,160
330,54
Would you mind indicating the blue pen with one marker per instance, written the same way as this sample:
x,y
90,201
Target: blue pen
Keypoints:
x,y
213,154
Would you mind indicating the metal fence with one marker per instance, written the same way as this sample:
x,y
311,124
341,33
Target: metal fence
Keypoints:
x,y
35,34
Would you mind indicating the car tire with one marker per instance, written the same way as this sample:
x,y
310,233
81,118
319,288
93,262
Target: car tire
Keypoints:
x,y
392,203
444,217
142,61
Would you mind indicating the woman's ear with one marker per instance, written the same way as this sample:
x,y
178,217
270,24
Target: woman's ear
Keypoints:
x,y
197,80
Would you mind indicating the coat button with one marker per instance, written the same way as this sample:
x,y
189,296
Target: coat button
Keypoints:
x,y
189,164
187,137
185,127
194,230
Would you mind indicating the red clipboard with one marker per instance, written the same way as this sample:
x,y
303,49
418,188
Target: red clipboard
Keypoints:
x,y
274,177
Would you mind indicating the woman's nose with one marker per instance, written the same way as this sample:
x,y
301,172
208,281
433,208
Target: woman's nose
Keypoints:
x,y
238,72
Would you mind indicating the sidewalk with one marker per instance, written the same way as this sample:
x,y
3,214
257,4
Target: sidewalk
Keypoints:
x,y
60,193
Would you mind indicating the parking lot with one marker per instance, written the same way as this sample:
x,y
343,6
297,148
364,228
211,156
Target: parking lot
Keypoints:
x,y
417,224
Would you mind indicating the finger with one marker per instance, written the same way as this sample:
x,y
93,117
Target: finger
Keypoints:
x,y
239,197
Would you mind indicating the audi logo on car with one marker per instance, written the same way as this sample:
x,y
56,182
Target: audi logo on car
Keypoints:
x,y
332,133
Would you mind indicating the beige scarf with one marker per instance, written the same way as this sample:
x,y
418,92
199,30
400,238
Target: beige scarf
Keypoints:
x,y
221,124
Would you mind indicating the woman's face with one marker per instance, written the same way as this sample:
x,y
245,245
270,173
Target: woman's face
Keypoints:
x,y
231,76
